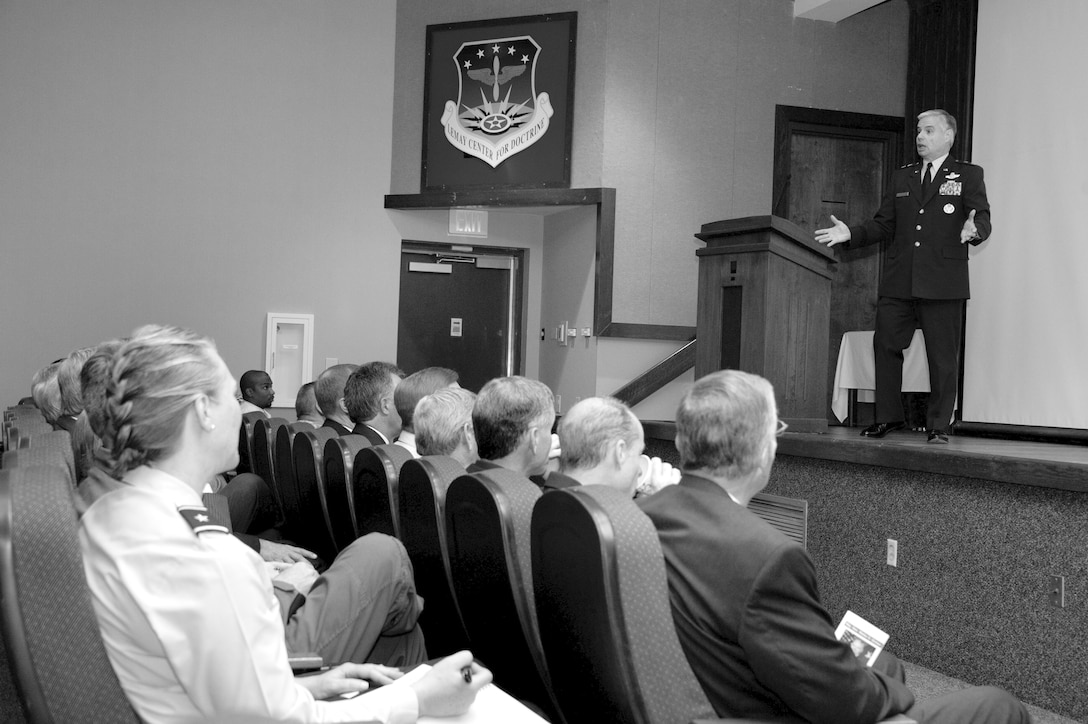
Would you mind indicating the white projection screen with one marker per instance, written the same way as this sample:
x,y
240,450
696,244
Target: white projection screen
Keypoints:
x,y
1026,354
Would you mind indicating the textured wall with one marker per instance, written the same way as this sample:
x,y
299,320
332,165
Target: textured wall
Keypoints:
x,y
198,162
968,598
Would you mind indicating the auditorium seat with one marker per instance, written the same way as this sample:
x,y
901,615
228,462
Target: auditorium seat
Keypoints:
x,y
264,464
339,500
375,488
55,652
603,608
43,455
312,529
487,533
422,493
245,441
284,483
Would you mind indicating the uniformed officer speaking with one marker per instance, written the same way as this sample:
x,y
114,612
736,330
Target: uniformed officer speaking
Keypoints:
x,y
931,211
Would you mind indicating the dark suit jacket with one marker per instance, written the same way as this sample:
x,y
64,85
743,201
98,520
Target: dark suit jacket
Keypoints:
x,y
749,618
557,481
925,259
370,434
482,465
340,429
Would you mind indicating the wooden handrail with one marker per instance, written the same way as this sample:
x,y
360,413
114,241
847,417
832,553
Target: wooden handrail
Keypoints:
x,y
658,376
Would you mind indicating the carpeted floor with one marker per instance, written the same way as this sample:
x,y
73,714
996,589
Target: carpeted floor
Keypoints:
x,y
927,684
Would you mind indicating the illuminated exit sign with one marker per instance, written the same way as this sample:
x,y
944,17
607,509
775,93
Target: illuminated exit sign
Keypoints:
x,y
468,222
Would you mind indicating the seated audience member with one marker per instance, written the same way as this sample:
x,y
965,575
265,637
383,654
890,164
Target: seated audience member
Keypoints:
x,y
207,641
47,395
306,409
257,392
512,420
248,498
410,391
744,596
329,390
71,398
443,424
40,377
368,396
602,442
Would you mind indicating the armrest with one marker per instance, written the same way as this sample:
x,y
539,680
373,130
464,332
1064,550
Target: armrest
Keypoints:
x,y
305,662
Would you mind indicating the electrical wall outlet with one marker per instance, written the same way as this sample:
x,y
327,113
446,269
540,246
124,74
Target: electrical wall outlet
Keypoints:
x,y
1056,589
893,552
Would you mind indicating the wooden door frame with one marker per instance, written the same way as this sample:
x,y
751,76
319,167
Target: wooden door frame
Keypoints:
x,y
831,124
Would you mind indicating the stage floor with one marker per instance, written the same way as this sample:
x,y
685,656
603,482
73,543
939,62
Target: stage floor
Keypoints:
x,y
1050,465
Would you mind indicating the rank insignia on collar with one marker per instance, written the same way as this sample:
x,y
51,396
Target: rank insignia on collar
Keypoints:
x,y
198,519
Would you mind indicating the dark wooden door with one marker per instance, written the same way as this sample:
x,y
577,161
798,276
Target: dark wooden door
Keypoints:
x,y
465,319
837,163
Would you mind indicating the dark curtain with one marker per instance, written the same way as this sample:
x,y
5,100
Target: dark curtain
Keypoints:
x,y
941,67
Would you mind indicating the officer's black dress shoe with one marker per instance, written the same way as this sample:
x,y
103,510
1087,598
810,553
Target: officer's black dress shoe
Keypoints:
x,y
880,429
938,437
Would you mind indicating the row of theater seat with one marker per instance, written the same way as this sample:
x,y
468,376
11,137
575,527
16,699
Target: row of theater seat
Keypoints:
x,y
562,595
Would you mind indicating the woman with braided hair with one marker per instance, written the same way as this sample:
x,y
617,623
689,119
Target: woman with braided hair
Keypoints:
x,y
186,611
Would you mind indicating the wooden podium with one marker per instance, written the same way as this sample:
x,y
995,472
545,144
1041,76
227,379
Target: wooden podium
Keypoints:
x,y
764,307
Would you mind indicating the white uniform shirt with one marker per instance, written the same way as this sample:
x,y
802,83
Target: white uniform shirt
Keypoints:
x,y
190,622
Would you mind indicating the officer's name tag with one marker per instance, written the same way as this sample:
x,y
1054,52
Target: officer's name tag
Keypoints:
x,y
952,188
901,194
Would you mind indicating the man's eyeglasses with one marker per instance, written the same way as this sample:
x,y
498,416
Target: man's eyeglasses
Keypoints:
x,y
782,427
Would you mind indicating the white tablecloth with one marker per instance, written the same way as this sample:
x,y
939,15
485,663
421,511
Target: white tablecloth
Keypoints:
x,y
855,370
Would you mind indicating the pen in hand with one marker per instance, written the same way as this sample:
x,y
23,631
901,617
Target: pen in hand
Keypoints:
x,y
466,674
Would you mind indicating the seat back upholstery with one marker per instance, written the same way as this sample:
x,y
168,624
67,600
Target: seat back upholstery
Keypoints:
x,y
60,665
313,530
245,441
487,533
58,442
264,462
375,485
422,492
602,603
284,472
339,461
58,455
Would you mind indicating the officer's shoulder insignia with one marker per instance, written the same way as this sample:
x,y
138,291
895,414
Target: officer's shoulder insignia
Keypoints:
x,y
198,519
909,165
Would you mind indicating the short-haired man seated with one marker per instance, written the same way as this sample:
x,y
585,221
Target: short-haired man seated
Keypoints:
x,y
744,596
443,425
306,409
368,396
257,392
512,419
329,390
602,442
410,391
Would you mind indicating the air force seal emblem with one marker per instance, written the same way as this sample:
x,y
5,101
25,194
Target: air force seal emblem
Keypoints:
x,y
498,111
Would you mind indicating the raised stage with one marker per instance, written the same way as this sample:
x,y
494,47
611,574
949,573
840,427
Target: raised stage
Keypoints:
x,y
1043,464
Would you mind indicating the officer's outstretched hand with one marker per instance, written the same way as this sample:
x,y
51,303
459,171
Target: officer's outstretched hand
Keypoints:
x,y
836,234
969,232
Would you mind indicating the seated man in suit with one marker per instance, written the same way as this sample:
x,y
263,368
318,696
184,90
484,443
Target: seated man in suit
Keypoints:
x,y
329,390
410,391
513,419
602,442
368,396
744,596
257,392
306,409
443,425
